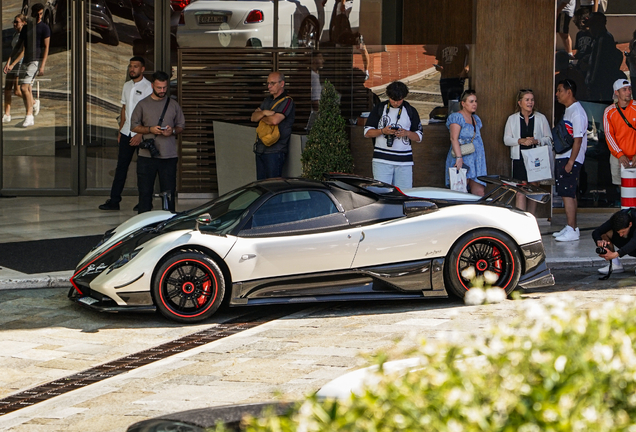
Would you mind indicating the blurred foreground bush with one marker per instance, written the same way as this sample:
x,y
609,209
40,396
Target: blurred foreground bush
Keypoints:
x,y
555,368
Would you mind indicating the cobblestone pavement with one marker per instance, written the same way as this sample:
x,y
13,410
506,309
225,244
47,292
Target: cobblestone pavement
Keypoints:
x,y
44,337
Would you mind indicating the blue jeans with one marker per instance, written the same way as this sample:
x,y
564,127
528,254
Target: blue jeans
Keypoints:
x,y
269,165
397,175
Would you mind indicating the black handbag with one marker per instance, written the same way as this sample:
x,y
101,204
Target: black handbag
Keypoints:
x,y
561,138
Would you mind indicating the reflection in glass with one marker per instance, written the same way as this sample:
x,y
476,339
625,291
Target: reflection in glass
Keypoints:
x,y
110,41
36,150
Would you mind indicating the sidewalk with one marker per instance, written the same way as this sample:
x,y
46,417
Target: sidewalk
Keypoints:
x,y
39,218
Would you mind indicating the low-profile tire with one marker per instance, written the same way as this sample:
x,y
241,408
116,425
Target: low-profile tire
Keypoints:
x,y
308,33
188,287
484,250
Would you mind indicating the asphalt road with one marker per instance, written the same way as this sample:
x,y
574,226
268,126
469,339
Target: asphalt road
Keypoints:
x,y
45,337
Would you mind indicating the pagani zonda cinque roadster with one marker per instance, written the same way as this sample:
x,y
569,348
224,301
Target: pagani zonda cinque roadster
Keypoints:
x,y
297,240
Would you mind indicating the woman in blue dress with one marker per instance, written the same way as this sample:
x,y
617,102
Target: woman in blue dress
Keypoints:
x,y
464,127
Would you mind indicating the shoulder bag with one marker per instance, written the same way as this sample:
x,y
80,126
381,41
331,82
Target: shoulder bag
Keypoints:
x,y
469,147
620,111
269,134
562,139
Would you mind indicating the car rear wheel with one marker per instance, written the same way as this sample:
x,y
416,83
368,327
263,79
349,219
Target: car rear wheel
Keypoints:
x,y
308,34
189,287
487,253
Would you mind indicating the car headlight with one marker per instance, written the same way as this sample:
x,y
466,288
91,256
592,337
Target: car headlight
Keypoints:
x,y
124,259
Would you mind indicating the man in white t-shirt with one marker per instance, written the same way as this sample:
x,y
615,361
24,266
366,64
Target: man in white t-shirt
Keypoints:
x,y
393,124
136,89
568,165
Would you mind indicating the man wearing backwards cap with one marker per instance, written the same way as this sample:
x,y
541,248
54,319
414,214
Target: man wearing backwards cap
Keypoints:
x,y
619,123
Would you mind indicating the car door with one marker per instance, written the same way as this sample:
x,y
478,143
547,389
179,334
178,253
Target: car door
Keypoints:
x,y
295,232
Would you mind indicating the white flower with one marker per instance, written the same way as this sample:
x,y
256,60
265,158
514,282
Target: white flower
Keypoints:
x,y
474,297
490,277
469,273
495,295
559,364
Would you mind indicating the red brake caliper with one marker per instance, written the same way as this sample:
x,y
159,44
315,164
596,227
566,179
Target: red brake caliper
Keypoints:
x,y
497,254
206,292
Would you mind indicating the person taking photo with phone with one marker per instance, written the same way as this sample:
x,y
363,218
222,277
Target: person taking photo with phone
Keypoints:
x,y
393,124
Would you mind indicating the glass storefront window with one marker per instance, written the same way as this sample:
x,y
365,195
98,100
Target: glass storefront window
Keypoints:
x,y
37,148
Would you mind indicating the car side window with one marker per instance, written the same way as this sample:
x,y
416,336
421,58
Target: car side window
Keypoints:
x,y
293,207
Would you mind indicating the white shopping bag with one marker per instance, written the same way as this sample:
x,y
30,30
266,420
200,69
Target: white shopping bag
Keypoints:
x,y
538,163
457,179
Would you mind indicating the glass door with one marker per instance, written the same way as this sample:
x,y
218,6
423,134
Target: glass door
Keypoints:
x,y
37,143
116,31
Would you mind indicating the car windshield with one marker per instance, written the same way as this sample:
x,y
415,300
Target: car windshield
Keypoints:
x,y
225,211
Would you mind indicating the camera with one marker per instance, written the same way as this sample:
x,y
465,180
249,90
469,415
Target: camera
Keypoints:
x,y
149,144
601,250
391,138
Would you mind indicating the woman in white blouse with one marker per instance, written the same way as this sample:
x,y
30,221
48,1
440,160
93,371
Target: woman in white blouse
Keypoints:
x,y
525,129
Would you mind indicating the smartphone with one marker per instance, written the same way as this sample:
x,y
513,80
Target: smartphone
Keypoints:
x,y
395,127
163,127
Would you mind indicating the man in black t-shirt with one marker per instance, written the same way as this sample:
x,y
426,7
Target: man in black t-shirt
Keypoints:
x,y
277,109
34,43
617,232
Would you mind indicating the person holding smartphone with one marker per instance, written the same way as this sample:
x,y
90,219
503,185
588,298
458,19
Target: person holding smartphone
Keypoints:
x,y
159,119
393,124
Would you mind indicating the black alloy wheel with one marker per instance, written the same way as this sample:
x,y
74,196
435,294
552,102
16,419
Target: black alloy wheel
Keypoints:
x,y
479,252
308,33
188,287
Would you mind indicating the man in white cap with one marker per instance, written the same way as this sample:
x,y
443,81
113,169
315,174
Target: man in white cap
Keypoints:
x,y
619,123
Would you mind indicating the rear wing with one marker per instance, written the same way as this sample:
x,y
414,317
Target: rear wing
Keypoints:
x,y
507,189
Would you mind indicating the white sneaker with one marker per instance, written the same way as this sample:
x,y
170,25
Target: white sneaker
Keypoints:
x,y
36,107
28,121
617,267
570,234
6,118
558,233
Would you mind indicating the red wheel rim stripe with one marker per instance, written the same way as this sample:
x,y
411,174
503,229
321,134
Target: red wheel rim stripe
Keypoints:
x,y
459,276
215,288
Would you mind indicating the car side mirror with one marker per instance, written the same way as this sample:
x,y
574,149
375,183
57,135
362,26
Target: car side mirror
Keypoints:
x,y
417,208
204,219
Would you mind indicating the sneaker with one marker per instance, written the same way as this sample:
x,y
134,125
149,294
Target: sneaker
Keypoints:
x,y
617,267
28,121
109,205
6,118
570,234
36,107
558,233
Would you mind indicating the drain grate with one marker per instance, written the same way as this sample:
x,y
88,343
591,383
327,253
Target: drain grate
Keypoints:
x,y
133,361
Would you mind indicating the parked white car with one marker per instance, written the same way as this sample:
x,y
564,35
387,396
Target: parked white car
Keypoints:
x,y
240,23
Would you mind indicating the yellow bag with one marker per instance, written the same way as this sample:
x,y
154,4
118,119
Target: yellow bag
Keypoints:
x,y
269,134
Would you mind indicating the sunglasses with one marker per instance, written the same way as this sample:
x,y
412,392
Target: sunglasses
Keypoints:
x,y
467,93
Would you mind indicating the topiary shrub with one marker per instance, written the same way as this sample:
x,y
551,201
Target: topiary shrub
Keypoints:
x,y
556,368
327,148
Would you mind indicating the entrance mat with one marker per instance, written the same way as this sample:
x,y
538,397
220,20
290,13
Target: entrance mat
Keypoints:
x,y
44,256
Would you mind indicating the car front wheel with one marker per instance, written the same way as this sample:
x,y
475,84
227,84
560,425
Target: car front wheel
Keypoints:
x,y
189,287
483,253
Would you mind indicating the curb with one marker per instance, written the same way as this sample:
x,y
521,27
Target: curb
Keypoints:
x,y
37,281
561,263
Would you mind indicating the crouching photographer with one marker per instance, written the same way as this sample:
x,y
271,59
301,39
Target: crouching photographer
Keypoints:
x,y
616,233
160,119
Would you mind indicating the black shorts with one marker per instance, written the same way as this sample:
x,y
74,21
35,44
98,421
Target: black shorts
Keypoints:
x,y
563,23
567,184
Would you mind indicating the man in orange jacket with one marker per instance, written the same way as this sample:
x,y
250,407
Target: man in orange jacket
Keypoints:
x,y
619,122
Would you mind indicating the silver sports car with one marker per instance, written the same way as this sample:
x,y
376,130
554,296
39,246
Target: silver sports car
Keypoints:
x,y
298,240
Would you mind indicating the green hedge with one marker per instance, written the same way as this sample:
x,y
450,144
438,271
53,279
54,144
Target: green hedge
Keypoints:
x,y
555,368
